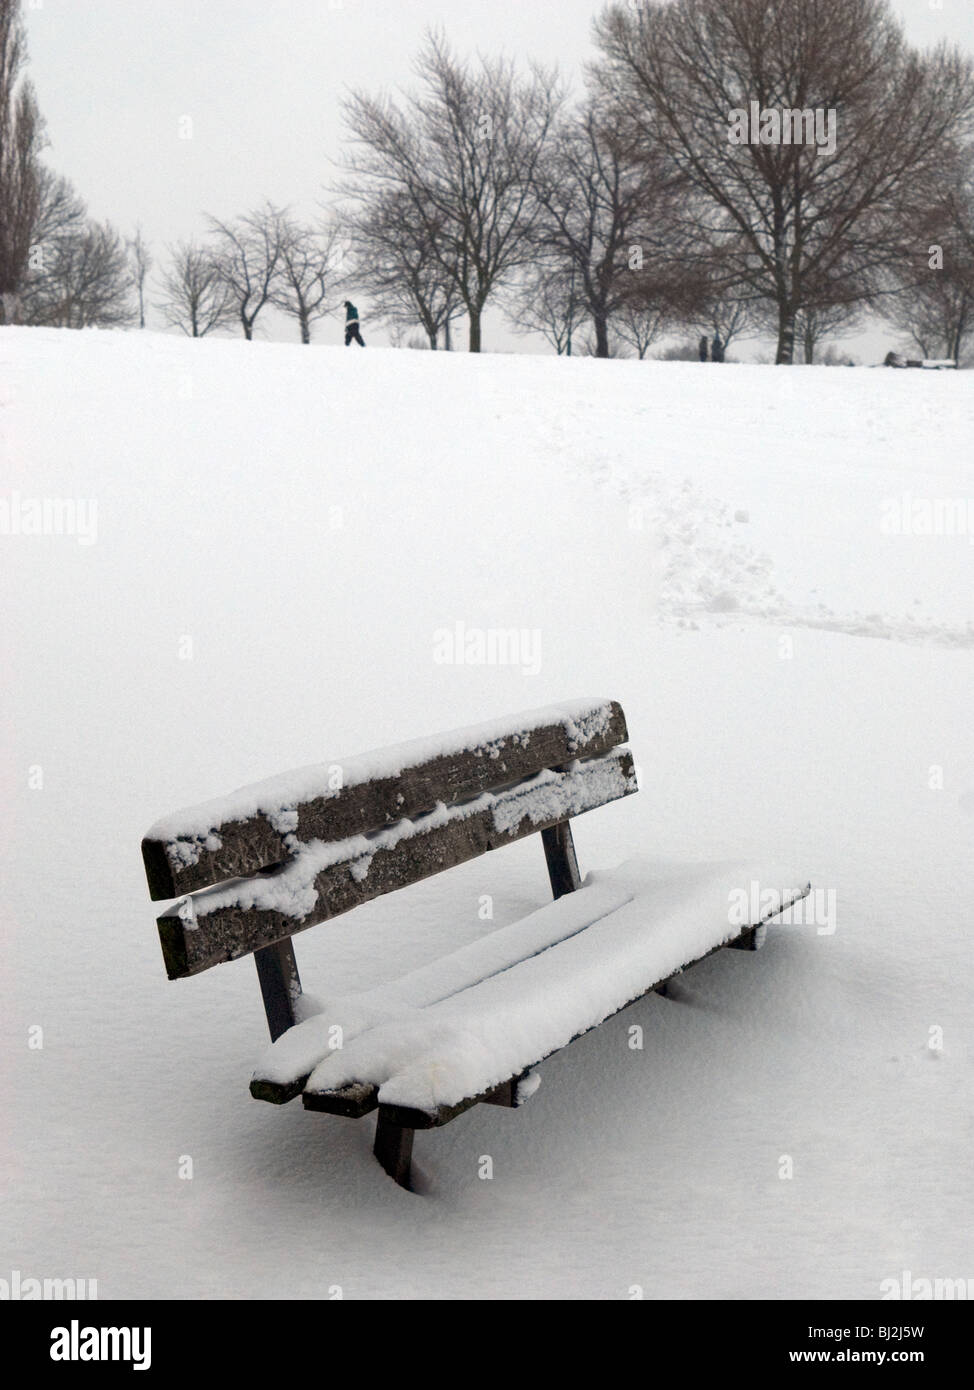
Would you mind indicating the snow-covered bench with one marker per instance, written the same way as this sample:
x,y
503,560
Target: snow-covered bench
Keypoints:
x,y
276,858
930,364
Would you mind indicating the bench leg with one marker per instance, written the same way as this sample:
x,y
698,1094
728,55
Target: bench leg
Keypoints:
x,y
751,939
393,1148
559,851
280,984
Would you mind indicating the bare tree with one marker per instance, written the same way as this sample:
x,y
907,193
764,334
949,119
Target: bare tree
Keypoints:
x,y
196,299
141,260
640,328
85,281
726,309
814,325
729,318
21,138
934,298
603,216
545,301
394,255
832,357
60,209
805,225
247,254
401,337
462,153
307,272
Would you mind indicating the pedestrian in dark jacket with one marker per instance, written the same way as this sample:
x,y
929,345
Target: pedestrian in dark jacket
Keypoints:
x,y
703,348
351,324
717,349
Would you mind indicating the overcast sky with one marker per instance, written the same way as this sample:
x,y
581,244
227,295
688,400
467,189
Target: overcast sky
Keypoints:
x,y
262,81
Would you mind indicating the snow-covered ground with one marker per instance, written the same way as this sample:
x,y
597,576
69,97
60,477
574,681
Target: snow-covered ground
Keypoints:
x,y
770,570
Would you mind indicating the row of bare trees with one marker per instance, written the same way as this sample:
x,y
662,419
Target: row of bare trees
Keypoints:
x,y
81,273
637,212
805,231
606,224
61,268
266,257
442,185
58,267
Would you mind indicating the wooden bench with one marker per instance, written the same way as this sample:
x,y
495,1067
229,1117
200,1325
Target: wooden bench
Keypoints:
x,y
276,858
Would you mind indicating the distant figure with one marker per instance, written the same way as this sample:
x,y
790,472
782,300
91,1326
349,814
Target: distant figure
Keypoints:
x,y
703,348
717,349
351,324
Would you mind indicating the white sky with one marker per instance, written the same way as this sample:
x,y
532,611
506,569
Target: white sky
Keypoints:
x,y
261,81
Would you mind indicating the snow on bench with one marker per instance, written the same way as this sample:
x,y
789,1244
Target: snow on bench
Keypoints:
x,y
450,1033
335,800
287,1064
325,878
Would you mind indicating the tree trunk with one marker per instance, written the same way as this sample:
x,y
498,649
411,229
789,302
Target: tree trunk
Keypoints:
x,y
601,335
305,329
474,316
10,307
786,336
433,335
956,337
447,340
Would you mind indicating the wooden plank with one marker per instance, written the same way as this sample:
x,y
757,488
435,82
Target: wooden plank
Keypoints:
x,y
275,1093
220,924
353,1101
361,1098
185,862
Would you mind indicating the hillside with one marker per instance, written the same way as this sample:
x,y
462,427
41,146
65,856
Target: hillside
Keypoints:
x,y
281,541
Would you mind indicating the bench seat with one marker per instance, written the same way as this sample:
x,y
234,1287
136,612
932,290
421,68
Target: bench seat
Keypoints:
x,y
453,1032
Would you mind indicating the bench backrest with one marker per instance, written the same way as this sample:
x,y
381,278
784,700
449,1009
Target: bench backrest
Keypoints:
x,y
278,857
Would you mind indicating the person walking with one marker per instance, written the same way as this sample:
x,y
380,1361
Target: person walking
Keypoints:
x,y
703,348
717,349
351,324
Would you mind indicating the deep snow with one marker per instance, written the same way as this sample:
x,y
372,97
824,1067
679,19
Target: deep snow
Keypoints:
x,y
282,534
